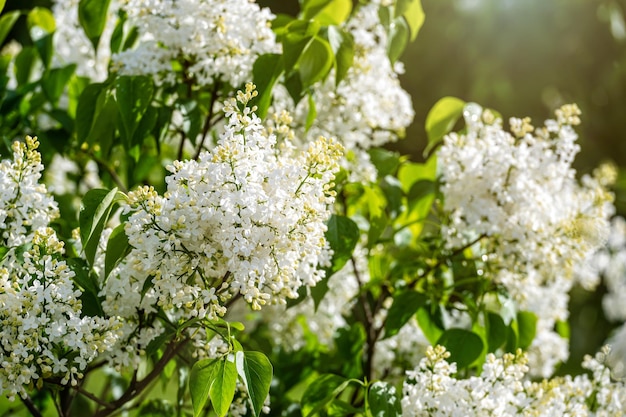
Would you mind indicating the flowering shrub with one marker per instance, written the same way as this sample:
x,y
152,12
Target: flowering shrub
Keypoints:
x,y
211,209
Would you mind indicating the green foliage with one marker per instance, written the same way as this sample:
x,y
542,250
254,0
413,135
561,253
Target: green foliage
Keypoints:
x,y
255,371
215,379
383,401
92,15
441,119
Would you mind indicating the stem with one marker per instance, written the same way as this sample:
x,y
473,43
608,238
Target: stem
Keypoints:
x,y
31,406
136,387
116,179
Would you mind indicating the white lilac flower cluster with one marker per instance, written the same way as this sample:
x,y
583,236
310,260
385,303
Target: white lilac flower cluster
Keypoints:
x,y
246,219
368,108
44,331
431,390
71,45
534,224
211,40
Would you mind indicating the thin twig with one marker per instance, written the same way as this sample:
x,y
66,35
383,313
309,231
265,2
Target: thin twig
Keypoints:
x,y
28,402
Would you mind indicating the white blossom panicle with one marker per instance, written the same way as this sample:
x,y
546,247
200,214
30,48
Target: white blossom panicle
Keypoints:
x,y
25,205
368,108
45,333
517,197
211,40
432,390
71,45
245,219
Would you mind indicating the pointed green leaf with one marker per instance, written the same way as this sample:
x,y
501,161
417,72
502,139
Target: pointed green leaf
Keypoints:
x,y
335,12
6,24
464,346
117,248
497,331
527,328
94,213
200,379
55,80
315,62
255,371
441,119
342,44
320,392
266,70
42,18
92,15
134,94
404,306
412,11
223,385
383,400
398,39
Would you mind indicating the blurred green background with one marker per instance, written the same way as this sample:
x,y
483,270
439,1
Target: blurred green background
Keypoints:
x,y
521,58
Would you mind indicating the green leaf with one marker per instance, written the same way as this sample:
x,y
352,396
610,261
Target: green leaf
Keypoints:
x,y
383,400
398,39
133,94
350,344
429,325
441,119
6,24
404,306
412,11
266,70
255,371
315,62
88,284
385,161
223,385
464,346
92,15
42,18
45,49
117,248
320,392
310,8
2,3
24,63
562,328
311,114
342,236
497,331
335,12
55,80
86,109
342,44
200,378
527,328
94,213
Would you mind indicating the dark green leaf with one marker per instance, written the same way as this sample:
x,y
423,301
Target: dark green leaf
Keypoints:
x,y
200,379
350,343
6,24
312,113
117,248
320,392
527,328
24,63
497,331
266,70
464,346
55,80
94,213
315,62
92,15
383,400
255,371
429,324
223,385
86,109
441,119
404,306
134,94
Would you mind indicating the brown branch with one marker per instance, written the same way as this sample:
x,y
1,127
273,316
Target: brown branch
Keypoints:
x,y
28,402
137,386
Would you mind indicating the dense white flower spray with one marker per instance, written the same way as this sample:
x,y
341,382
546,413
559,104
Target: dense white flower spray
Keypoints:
x,y
208,40
247,219
534,224
39,302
